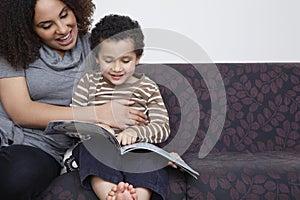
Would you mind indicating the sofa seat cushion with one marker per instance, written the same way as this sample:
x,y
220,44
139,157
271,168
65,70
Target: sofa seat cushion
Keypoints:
x,y
267,175
177,184
67,186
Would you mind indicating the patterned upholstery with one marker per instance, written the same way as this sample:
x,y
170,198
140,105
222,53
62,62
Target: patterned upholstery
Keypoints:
x,y
257,150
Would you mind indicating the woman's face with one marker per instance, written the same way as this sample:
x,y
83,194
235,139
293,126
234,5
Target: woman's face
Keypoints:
x,y
55,23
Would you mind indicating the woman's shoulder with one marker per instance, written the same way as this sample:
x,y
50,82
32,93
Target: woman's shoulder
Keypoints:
x,y
84,40
7,71
83,44
85,37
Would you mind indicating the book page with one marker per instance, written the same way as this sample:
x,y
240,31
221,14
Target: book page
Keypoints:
x,y
147,146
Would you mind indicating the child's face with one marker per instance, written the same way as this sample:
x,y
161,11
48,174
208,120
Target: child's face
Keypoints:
x,y
117,60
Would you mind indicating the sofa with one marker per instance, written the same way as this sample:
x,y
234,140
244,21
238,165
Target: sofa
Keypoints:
x,y
237,124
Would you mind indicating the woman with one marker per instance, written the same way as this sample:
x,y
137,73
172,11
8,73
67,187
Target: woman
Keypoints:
x,y
42,46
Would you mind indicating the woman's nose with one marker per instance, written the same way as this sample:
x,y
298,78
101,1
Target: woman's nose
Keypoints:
x,y
62,28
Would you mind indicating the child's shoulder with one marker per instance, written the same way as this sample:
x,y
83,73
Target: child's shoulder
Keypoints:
x,y
149,80
146,81
95,74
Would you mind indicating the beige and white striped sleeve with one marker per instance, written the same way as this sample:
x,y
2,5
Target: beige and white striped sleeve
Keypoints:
x,y
158,129
81,93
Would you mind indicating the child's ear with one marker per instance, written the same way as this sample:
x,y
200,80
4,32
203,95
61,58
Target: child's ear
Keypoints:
x,y
97,60
96,57
138,60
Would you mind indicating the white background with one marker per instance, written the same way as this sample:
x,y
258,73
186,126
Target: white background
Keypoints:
x,y
227,30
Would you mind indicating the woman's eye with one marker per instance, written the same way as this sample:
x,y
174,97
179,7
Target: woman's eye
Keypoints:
x,y
47,26
64,15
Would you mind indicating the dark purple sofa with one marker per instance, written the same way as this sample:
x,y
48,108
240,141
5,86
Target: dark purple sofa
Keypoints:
x,y
237,124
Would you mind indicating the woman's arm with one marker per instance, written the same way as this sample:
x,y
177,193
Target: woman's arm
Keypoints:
x,y
22,110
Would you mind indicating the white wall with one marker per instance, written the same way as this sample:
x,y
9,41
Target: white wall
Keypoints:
x,y
227,30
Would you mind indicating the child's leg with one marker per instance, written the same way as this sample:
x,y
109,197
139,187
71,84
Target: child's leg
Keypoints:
x,y
149,184
101,187
143,193
110,191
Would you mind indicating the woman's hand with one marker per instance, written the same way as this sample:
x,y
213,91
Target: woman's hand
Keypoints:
x,y
118,114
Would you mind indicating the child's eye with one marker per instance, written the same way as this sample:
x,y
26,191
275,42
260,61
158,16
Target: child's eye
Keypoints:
x,y
126,61
108,61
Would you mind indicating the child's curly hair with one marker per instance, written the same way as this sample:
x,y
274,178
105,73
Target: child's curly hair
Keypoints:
x,y
117,27
19,44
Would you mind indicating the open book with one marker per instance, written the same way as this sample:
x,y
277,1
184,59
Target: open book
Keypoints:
x,y
85,130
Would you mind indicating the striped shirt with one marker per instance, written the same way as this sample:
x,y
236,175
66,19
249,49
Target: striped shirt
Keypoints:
x,y
94,89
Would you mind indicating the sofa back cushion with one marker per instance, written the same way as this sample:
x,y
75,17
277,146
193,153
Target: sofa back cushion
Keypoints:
x,y
261,110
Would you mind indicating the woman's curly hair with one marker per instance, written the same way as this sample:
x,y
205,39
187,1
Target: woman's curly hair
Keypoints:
x,y
19,44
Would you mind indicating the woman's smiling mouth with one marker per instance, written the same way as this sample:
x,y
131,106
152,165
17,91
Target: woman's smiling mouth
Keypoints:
x,y
66,40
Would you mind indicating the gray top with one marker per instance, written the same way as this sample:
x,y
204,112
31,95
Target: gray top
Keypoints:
x,y
50,79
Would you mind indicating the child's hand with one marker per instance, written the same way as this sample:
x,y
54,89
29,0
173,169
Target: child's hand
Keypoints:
x,y
127,136
171,164
108,128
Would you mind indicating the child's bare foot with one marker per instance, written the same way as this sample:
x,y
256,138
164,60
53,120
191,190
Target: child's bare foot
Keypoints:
x,y
123,191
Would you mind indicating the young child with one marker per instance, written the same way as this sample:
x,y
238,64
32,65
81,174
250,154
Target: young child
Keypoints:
x,y
118,42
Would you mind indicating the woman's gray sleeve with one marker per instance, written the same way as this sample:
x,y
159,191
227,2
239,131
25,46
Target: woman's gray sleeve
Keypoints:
x,y
6,70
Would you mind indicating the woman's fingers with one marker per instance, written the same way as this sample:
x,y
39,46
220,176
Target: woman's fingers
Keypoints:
x,y
118,114
126,116
137,117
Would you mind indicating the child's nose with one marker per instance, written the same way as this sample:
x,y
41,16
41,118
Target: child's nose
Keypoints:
x,y
117,67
